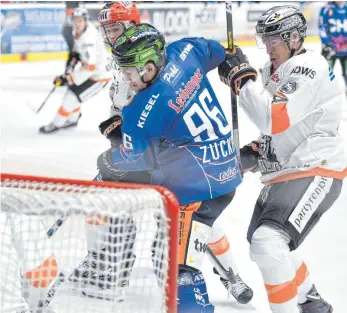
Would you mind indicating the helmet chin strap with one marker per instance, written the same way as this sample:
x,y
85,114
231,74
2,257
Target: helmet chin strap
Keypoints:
x,y
292,50
157,73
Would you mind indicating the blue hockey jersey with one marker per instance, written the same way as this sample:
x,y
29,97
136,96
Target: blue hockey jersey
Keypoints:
x,y
177,130
333,27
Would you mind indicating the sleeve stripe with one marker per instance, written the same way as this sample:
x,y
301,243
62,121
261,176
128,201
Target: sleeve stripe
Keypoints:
x,y
279,117
88,67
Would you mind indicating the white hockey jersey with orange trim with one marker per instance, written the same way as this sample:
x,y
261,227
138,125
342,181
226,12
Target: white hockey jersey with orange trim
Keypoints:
x,y
93,54
298,111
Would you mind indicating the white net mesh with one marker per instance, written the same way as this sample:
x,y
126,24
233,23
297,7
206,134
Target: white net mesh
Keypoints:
x,y
68,248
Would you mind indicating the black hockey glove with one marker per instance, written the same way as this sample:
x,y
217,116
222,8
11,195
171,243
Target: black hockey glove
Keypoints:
x,y
111,128
60,81
235,70
107,170
249,157
328,51
71,62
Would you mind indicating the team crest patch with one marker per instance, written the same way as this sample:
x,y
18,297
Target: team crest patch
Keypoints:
x,y
288,87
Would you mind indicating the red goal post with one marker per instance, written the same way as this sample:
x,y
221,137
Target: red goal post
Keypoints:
x,y
169,200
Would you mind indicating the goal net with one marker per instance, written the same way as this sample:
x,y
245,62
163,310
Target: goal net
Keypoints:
x,y
81,246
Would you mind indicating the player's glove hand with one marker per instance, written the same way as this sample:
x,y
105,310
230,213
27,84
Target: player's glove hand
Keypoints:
x,y
249,157
328,51
111,128
60,81
235,70
73,59
107,170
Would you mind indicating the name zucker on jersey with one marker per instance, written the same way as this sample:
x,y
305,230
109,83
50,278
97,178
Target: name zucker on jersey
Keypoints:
x,y
216,150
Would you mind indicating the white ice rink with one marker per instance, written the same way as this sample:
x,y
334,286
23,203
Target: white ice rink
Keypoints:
x,y
73,154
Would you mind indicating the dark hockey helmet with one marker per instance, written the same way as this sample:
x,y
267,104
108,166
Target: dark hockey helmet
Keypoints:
x,y
282,20
139,45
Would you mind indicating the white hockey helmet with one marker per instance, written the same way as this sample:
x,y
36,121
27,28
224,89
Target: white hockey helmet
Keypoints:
x,y
282,20
80,12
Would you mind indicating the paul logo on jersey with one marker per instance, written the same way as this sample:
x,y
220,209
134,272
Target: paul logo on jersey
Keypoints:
x,y
171,73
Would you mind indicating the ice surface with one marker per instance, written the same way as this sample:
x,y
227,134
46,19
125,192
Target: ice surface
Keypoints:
x,y
72,153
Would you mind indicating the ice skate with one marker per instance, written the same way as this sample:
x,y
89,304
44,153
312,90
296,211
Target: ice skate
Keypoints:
x,y
109,284
49,128
52,128
93,262
69,124
315,303
237,288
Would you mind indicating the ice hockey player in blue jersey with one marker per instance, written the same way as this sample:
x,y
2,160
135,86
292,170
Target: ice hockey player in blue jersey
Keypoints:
x,y
175,128
333,34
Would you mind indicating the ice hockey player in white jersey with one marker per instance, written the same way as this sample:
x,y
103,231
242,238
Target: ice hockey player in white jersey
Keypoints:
x,y
84,80
301,157
114,18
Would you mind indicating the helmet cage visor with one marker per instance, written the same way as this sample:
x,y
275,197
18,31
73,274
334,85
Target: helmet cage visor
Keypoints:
x,y
272,41
112,31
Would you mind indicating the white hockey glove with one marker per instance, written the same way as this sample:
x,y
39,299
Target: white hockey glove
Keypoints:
x,y
120,94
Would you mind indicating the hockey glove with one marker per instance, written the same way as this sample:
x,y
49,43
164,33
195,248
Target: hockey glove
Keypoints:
x,y
235,70
71,62
328,52
60,81
249,157
107,170
111,128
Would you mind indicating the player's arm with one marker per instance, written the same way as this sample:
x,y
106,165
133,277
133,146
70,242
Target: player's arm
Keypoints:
x,y
328,49
133,155
275,114
271,114
210,52
73,59
324,32
88,58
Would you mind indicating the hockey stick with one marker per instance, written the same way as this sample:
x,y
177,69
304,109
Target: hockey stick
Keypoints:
x,y
56,226
228,275
231,47
44,102
69,68
51,292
